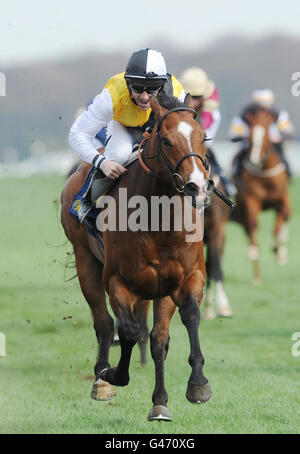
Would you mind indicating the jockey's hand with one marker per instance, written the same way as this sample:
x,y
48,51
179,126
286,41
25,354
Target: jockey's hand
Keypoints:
x,y
112,169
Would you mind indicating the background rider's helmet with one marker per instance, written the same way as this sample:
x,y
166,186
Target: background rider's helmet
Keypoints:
x,y
194,81
147,68
264,98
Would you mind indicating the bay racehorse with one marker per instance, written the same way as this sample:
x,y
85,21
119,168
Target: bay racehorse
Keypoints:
x,y
262,184
164,266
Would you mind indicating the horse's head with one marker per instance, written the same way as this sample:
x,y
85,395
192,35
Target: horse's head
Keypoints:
x,y
181,150
259,120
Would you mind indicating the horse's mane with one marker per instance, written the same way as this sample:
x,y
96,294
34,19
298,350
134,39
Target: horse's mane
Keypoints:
x,y
169,102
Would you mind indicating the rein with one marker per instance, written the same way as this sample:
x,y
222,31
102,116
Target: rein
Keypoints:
x,y
173,169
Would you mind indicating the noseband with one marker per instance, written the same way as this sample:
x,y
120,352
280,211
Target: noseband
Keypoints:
x,y
175,176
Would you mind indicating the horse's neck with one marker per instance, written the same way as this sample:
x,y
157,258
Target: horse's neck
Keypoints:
x,y
270,159
142,184
158,184
175,218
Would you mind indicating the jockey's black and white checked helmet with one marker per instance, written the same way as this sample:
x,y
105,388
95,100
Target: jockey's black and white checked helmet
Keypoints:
x,y
146,67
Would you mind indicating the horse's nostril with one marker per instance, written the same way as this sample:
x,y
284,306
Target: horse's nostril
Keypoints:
x,y
191,189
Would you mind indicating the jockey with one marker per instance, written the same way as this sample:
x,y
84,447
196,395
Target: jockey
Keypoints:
x,y
206,103
279,131
123,107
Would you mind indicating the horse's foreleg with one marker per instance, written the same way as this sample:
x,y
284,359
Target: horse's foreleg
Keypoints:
x,y
281,232
253,208
208,312
163,310
89,272
198,389
224,309
214,272
141,313
122,302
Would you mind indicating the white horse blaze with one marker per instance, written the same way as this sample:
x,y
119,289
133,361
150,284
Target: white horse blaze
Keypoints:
x,y
257,138
196,176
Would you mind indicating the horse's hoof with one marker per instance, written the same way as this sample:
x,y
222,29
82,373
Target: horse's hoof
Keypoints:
x,y
160,413
102,390
198,394
282,256
257,280
111,376
225,311
209,314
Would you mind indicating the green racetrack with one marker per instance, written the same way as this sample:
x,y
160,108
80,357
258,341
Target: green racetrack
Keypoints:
x,y
46,377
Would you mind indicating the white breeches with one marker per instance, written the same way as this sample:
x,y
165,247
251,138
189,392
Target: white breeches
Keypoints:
x,y
119,142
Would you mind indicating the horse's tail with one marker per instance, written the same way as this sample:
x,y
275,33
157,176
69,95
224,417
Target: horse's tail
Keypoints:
x,y
69,264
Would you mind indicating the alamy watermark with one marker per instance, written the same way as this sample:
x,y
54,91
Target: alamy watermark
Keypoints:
x,y
2,84
154,214
296,86
296,344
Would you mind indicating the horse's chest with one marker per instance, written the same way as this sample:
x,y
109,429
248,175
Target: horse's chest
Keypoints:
x,y
159,278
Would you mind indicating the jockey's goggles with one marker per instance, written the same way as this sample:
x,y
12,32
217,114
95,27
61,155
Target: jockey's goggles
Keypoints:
x,y
140,89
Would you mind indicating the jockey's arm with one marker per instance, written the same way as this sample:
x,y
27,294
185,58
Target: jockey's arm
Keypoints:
x,y
210,113
86,127
284,125
238,130
211,122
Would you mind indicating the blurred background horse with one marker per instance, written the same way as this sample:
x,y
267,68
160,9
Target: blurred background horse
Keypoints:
x,y
262,183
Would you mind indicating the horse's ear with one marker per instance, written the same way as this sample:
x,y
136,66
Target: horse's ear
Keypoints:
x,y
156,107
188,101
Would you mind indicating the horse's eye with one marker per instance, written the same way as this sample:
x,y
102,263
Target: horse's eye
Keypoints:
x,y
166,142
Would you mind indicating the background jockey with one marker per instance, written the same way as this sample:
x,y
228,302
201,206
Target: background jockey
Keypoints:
x,y
206,102
123,107
279,131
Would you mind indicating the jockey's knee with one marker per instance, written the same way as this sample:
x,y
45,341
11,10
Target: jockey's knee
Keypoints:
x,y
124,151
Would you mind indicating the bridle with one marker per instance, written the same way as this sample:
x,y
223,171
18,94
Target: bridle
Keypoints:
x,y
173,170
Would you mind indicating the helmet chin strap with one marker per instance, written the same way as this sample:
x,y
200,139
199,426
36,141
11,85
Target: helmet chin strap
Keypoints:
x,y
128,83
